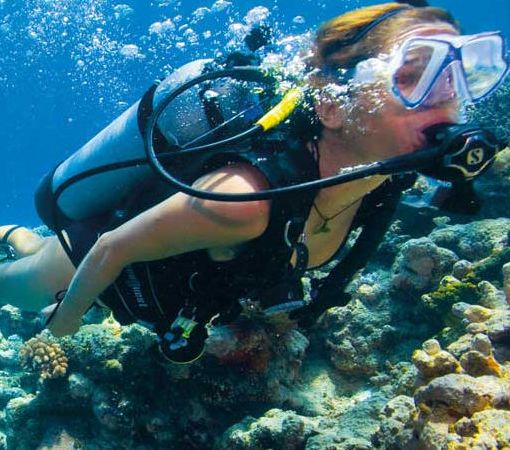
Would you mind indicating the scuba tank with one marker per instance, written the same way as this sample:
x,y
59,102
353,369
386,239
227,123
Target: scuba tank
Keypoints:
x,y
102,173
107,168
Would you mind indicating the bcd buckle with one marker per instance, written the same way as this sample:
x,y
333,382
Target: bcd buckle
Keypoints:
x,y
180,330
184,341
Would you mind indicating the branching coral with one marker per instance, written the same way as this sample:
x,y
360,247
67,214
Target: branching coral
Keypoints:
x,y
44,356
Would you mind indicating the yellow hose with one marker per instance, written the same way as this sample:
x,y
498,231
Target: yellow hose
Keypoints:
x,y
282,110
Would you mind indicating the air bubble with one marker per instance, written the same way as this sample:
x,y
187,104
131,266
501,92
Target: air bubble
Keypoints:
x,y
257,15
220,5
122,11
131,51
162,27
200,13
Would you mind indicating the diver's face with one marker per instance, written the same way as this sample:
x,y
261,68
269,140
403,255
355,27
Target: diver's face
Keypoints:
x,y
390,128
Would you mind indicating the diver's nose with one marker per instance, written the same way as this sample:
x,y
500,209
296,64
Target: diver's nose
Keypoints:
x,y
449,86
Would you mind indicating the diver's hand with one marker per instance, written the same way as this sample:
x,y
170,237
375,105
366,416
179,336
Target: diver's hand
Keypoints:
x,y
58,325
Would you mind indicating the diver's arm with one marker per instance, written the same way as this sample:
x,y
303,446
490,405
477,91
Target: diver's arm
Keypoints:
x,y
96,272
177,225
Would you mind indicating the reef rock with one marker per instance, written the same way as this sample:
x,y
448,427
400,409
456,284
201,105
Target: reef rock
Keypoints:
x,y
463,398
354,334
506,281
276,429
420,265
488,429
475,240
493,322
13,321
431,361
464,394
396,430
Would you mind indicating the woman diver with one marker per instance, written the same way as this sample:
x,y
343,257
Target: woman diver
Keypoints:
x,y
175,261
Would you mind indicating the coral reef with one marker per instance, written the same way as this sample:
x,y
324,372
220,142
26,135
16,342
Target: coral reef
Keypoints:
x,y
276,429
432,361
421,264
44,356
506,281
493,114
463,398
475,240
346,384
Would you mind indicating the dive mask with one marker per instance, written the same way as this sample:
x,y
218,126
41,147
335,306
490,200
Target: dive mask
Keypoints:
x,y
431,69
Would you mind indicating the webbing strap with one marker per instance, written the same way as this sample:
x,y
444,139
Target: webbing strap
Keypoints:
x,y
145,110
331,290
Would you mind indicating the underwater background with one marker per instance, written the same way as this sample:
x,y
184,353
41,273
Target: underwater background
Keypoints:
x,y
69,67
419,359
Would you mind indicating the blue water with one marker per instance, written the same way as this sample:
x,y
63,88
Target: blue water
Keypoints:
x,y
68,67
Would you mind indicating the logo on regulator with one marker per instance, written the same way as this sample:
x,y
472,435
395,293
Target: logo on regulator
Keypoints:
x,y
475,156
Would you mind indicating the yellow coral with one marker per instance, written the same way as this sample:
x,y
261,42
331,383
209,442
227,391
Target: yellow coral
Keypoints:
x,y
44,356
432,362
477,313
494,366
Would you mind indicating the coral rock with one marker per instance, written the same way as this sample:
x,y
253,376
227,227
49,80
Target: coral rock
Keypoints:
x,y
276,429
490,296
472,241
476,364
421,265
506,281
80,387
461,268
477,313
432,361
482,344
486,429
431,347
464,394
396,429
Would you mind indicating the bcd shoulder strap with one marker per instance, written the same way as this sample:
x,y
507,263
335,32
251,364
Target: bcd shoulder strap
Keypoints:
x,y
331,290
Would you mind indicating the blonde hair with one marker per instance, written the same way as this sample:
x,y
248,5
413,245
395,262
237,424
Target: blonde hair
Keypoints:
x,y
343,28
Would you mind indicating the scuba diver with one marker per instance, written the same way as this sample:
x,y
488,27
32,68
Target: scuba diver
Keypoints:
x,y
219,188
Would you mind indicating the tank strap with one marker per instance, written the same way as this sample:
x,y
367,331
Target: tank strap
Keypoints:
x,y
145,110
330,291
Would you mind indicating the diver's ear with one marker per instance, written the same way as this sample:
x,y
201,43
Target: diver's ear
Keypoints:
x,y
330,114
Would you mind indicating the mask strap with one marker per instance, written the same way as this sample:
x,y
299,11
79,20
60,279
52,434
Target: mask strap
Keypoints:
x,y
338,45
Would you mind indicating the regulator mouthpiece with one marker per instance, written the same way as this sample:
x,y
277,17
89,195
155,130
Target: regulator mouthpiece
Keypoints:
x,y
464,151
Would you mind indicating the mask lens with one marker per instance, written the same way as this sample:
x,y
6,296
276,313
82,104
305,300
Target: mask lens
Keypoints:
x,y
483,64
420,66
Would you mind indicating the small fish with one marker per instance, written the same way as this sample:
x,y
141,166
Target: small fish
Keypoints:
x,y
284,307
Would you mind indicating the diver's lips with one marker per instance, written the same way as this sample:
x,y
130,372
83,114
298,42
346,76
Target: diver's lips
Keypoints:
x,y
422,139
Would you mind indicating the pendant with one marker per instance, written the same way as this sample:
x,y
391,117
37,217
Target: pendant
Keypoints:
x,y
323,228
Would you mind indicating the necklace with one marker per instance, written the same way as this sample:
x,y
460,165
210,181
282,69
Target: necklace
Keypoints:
x,y
323,227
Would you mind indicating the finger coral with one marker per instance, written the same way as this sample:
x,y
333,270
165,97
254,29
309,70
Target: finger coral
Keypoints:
x,y
44,356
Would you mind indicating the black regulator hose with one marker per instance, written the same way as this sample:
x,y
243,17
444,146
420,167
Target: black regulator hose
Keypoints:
x,y
459,151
